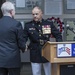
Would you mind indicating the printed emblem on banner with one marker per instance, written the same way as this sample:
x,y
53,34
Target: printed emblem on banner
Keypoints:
x,y
64,50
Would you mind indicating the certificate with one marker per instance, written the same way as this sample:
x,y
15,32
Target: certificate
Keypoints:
x,y
53,7
70,4
20,3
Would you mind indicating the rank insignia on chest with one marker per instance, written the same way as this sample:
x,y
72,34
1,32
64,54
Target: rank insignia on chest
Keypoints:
x,y
31,28
46,29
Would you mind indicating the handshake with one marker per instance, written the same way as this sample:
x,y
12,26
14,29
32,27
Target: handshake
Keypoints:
x,y
26,48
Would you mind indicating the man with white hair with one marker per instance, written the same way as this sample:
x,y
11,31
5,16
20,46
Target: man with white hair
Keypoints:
x,y
11,41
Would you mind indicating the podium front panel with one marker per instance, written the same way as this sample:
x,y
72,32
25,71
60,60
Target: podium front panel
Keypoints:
x,y
68,69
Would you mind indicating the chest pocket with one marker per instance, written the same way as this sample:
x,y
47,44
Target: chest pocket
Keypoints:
x,y
31,31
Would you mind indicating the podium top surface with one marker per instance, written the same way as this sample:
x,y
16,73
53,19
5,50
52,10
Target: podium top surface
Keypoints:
x,y
48,42
60,42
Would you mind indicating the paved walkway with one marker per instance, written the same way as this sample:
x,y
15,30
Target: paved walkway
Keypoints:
x,y
26,69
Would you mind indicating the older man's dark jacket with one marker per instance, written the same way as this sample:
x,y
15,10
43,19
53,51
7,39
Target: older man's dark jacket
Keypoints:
x,y
11,41
34,30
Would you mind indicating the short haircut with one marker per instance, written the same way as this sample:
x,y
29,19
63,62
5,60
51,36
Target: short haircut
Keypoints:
x,y
37,8
7,7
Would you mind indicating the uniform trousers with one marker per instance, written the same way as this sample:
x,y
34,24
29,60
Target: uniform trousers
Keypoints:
x,y
36,68
9,71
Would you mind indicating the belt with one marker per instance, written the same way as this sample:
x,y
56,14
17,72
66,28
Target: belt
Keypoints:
x,y
42,42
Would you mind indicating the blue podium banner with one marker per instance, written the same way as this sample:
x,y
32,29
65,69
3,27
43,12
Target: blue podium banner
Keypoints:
x,y
66,50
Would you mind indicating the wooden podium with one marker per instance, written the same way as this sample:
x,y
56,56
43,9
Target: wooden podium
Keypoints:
x,y
49,51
